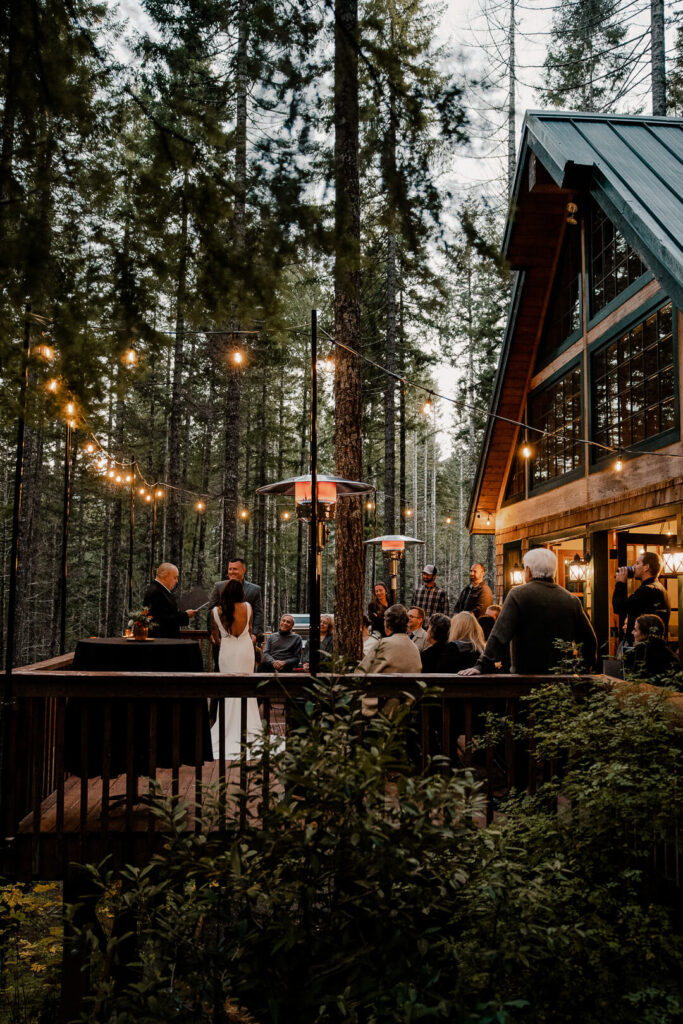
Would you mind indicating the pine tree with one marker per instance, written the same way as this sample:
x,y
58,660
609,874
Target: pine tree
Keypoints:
x,y
586,65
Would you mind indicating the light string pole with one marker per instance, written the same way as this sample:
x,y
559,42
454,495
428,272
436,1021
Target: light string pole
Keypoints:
x,y
315,553
66,511
130,535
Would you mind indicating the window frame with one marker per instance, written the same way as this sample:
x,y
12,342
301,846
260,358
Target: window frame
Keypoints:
x,y
578,471
542,361
593,317
666,437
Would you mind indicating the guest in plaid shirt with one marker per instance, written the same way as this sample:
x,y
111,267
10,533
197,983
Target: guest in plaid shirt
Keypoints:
x,y
430,597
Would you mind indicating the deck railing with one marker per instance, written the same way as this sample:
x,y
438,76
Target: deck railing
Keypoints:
x,y
87,748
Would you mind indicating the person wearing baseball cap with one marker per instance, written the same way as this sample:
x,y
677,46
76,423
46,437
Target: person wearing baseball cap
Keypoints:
x,y
429,597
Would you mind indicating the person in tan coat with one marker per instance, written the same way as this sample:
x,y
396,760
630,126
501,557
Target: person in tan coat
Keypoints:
x,y
395,652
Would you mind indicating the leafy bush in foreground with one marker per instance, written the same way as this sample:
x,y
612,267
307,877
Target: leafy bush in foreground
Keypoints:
x,y
363,900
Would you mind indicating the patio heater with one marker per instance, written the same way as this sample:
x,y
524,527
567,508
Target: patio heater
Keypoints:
x,y
394,545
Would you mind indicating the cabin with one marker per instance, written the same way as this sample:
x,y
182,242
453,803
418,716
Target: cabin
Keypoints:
x,y
583,450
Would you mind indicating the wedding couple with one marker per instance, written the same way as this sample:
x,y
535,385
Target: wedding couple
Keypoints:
x,y
231,626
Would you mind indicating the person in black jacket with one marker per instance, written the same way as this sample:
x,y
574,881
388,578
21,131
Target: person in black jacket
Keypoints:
x,y
163,606
437,638
651,659
650,598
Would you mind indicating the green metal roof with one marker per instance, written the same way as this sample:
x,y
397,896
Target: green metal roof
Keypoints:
x,y
633,166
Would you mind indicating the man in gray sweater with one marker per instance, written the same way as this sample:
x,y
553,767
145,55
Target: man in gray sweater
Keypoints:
x,y
534,615
282,650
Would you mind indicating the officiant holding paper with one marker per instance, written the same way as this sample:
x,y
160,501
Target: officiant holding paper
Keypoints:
x,y
162,605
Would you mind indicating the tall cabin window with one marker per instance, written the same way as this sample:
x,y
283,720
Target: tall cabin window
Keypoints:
x,y
557,410
514,490
633,384
563,319
614,264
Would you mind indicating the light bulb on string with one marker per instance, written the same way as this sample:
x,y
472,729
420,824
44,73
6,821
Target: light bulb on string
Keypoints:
x,y
118,478
130,357
244,514
111,474
148,497
159,494
619,465
427,407
70,408
285,515
141,492
237,357
200,506
129,478
52,385
448,520
90,447
526,451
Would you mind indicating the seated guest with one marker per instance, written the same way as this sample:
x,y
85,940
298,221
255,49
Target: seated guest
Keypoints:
x,y
162,605
326,644
437,638
465,643
488,619
416,630
369,641
377,608
395,652
650,659
282,650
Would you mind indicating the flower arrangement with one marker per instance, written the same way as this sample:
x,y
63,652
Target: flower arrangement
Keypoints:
x,y
142,615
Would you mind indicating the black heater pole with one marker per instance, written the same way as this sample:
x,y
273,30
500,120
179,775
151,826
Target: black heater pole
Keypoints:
x,y
154,535
130,536
313,561
65,538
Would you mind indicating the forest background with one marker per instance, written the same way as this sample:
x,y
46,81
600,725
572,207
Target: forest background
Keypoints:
x,y
167,208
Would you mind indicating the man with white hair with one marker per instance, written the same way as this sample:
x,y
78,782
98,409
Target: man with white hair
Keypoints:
x,y
534,615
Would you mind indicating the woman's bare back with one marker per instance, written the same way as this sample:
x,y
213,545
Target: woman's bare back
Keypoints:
x,y
239,621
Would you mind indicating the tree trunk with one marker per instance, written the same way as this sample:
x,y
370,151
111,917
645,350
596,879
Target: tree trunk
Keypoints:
x,y
402,455
175,504
301,535
8,116
658,58
347,384
260,525
389,391
512,147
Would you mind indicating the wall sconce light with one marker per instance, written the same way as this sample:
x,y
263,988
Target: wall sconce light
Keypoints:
x,y
672,559
578,568
516,575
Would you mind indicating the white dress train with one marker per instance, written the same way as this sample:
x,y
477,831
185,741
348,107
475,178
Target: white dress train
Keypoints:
x,y
235,655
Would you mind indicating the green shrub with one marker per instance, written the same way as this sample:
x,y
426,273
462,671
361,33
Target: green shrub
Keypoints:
x,y
367,900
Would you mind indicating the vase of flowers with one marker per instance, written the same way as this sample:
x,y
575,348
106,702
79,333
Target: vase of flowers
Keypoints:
x,y
141,621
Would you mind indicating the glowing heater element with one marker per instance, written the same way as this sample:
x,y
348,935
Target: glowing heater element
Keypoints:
x,y
327,491
393,545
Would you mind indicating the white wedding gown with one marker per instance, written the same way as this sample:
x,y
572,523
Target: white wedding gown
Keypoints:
x,y
236,655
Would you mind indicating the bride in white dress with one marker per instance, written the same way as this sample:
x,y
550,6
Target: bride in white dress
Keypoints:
x,y
232,627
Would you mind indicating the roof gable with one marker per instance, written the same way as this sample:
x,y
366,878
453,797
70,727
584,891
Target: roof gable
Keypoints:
x,y
633,167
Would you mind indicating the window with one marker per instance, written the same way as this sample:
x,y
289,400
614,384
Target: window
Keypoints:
x,y
564,311
515,487
557,410
614,264
633,384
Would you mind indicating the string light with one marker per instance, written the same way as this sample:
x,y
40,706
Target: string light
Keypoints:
x,y
244,514
130,357
427,407
70,408
141,492
285,515
129,478
619,465
111,474
237,357
148,497
160,493
118,478
369,506
90,447
53,385
408,513
526,451
448,520
200,506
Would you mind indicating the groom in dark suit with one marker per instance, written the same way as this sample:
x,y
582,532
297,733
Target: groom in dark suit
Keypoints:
x,y
163,606
237,569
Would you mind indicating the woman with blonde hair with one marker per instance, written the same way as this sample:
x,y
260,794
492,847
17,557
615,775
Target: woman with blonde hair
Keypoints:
x,y
465,643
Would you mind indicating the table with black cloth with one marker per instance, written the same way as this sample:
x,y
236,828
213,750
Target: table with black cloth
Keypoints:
x,y
118,654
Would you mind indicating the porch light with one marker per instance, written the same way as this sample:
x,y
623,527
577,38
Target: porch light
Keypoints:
x,y
578,568
672,559
516,575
